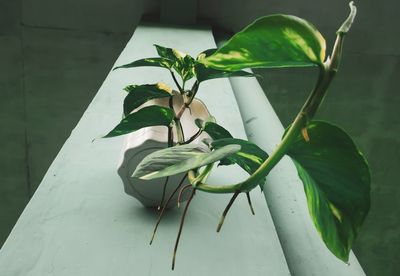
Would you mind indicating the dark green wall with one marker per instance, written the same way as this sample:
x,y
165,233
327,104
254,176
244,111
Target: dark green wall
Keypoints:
x,y
48,75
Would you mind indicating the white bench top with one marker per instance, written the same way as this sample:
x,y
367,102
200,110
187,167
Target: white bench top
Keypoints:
x,y
80,222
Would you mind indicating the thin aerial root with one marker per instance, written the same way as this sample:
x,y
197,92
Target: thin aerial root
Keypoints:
x,y
163,193
165,207
180,227
226,210
181,192
249,201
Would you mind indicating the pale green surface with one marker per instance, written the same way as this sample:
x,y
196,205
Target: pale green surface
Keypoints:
x,y
79,222
55,73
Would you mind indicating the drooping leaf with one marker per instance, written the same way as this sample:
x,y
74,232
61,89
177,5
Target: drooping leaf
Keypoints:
x,y
204,73
154,62
148,116
250,156
179,159
336,181
271,41
213,129
139,94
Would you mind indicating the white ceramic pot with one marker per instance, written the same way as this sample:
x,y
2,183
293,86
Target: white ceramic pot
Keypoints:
x,y
139,144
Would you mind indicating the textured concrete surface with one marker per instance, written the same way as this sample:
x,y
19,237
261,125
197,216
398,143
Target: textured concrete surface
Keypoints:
x,y
365,90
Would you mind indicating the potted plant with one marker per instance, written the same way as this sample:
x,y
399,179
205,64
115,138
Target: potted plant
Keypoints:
x,y
335,174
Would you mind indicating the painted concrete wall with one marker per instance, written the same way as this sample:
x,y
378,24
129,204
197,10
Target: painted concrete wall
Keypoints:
x,y
55,54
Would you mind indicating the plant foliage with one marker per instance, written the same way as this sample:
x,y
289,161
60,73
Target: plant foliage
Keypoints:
x,y
334,173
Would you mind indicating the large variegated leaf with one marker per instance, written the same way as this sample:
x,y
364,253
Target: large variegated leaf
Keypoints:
x,y
148,116
139,94
179,159
336,180
271,41
204,73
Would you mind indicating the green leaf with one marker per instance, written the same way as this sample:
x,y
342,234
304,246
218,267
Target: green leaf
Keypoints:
x,y
249,158
179,159
271,41
182,63
154,62
148,116
204,73
213,129
168,53
139,94
336,181
185,68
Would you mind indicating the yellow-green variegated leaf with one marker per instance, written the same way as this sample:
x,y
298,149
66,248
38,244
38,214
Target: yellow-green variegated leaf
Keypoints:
x,y
336,180
181,62
271,41
204,73
179,159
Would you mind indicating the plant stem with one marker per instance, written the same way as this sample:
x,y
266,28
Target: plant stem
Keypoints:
x,y
179,131
191,139
181,226
194,90
181,110
170,144
186,104
221,221
165,207
170,129
176,82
